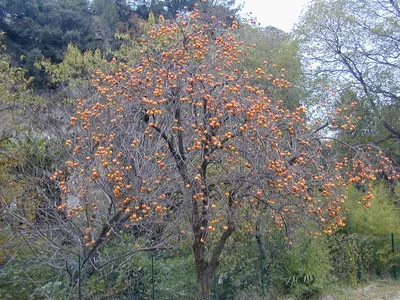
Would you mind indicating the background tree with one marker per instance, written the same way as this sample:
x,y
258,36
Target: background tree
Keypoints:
x,y
40,28
106,20
352,47
43,28
186,137
26,191
169,8
276,50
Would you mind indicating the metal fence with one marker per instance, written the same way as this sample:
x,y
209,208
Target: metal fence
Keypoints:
x,y
156,273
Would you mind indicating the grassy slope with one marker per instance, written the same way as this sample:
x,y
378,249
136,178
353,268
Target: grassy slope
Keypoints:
x,y
376,290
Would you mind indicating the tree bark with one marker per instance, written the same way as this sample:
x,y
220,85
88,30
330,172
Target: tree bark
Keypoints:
x,y
204,279
205,269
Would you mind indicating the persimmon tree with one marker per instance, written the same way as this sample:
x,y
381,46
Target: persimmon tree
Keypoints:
x,y
187,137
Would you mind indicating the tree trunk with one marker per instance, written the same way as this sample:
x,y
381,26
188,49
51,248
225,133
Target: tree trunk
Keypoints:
x,y
205,269
204,279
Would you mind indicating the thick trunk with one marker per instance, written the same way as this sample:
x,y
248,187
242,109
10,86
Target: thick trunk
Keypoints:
x,y
205,269
204,279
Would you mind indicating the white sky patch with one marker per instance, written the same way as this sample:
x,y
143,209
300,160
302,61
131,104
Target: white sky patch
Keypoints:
x,y
282,14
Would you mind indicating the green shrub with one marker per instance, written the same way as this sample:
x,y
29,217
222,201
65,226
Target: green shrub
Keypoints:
x,y
364,245
381,220
240,268
346,257
132,277
22,280
175,275
127,278
306,267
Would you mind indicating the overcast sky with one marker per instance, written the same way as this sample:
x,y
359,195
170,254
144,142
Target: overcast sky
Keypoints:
x,y
282,14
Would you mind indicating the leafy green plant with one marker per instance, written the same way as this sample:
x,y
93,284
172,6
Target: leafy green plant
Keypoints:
x,y
381,219
301,269
345,257
239,269
307,269
22,280
175,275
366,240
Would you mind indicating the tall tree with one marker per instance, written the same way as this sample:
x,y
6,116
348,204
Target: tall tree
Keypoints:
x,y
184,136
106,20
352,46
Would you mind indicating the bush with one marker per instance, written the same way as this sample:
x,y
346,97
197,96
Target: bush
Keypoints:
x,y
381,220
306,268
364,245
132,277
301,270
345,253
239,269
22,280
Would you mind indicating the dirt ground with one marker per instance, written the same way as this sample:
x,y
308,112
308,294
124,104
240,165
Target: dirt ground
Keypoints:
x,y
378,290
